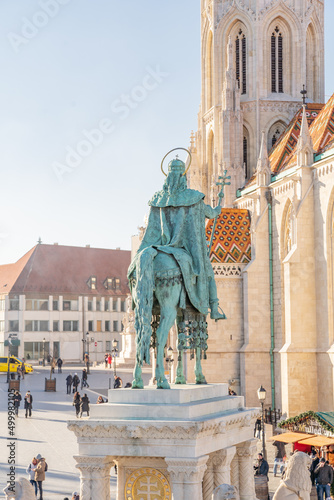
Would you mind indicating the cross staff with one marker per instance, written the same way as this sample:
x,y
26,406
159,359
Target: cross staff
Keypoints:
x,y
223,182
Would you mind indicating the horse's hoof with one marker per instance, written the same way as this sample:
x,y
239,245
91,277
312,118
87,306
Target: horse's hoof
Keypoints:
x,y
137,384
163,384
180,380
201,380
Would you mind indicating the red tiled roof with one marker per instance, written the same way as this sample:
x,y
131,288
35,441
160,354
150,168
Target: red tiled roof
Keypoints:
x,y
64,269
232,240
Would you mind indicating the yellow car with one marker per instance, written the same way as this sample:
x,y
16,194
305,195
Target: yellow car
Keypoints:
x,y
14,363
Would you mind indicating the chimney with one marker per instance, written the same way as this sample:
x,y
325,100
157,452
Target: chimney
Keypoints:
x,y
87,246
55,243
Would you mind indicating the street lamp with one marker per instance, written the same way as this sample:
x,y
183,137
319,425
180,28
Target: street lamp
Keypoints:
x,y
261,394
114,352
43,352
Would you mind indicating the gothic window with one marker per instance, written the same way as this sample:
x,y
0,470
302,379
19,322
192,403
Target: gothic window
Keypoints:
x,y
240,61
209,71
245,158
274,133
277,61
288,236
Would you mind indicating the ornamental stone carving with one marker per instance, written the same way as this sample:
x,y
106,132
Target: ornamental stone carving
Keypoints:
x,y
94,476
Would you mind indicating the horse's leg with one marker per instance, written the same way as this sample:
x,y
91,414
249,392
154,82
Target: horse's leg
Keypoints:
x,y
200,379
168,298
137,379
180,378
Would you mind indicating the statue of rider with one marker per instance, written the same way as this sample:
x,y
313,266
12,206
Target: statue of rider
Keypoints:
x,y
176,226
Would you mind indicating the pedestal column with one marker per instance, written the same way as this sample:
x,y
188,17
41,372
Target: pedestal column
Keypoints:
x,y
186,477
222,465
246,452
94,477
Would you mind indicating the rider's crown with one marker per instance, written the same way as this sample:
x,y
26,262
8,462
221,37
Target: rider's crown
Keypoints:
x,y
176,165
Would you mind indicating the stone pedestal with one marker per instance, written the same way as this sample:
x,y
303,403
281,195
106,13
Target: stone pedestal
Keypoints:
x,y
173,444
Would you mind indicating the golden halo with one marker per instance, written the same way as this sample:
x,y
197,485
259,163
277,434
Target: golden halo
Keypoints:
x,y
175,149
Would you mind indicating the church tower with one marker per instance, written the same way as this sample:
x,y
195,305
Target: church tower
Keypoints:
x,y
256,57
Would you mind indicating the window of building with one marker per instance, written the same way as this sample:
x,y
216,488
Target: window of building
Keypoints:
x,y
107,326
277,61
2,326
70,326
36,326
108,345
55,305
98,305
14,325
70,305
245,155
115,326
2,304
37,305
90,305
92,282
107,304
36,350
56,326
99,326
90,325
114,305
14,303
112,283
240,61
123,305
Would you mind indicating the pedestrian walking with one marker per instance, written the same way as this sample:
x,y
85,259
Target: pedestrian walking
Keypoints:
x,y
53,365
109,360
40,474
279,455
117,382
324,478
23,369
106,360
84,378
69,381
31,472
17,401
84,405
59,364
28,404
75,496
75,382
19,372
313,466
77,403
257,428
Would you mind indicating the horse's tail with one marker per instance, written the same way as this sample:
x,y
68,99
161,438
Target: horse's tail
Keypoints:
x,y
144,303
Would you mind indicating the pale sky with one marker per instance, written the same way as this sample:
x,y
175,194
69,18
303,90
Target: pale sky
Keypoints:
x,y
129,68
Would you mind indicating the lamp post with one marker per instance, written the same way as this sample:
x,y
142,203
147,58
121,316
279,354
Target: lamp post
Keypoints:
x,y
170,361
114,352
261,394
87,355
43,352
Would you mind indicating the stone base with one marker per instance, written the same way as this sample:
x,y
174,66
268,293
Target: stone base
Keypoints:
x,y
186,440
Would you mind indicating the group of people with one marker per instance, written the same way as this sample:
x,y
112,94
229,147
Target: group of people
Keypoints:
x,y
27,403
321,475
75,381
107,360
36,471
81,404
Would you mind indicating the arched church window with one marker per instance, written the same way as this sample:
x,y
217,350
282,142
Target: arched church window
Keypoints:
x,y
240,61
288,231
274,133
275,137
245,155
277,61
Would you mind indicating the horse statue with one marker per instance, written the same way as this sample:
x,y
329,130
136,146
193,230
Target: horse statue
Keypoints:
x,y
21,489
296,484
171,277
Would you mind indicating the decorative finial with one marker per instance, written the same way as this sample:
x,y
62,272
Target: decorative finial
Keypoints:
x,y
39,241
304,94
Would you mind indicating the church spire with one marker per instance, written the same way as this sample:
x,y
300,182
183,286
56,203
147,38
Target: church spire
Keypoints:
x,y
263,172
305,143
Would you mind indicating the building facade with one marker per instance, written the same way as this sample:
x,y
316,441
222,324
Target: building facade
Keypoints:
x,y
279,332
63,301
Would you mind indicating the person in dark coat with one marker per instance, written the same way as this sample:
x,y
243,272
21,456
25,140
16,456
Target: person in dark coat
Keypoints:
x,y
60,364
262,467
324,478
315,462
17,401
117,382
75,382
77,403
84,377
28,403
69,381
279,455
84,405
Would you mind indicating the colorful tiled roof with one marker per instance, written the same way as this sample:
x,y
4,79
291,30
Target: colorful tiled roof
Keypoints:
x,y
281,152
53,269
232,240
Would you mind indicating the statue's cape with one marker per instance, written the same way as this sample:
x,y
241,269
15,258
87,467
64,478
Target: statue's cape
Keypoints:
x,y
183,198
180,231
